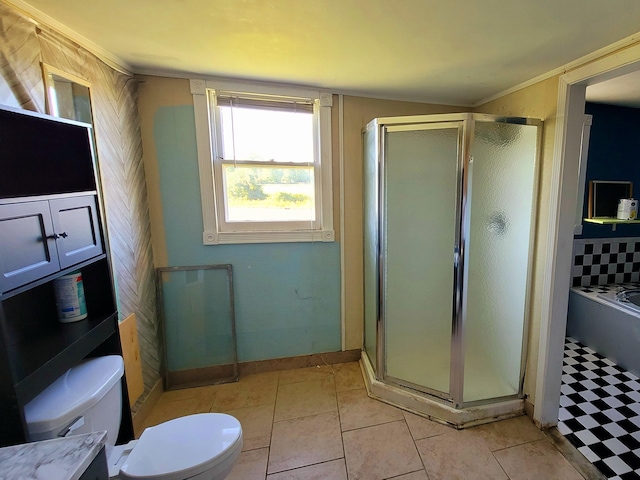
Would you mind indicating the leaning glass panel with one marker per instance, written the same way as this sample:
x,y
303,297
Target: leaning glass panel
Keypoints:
x,y
198,318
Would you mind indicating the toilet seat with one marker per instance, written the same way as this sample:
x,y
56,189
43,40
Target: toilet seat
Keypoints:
x,y
184,447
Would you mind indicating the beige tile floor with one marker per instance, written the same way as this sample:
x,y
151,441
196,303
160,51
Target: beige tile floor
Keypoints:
x,y
318,423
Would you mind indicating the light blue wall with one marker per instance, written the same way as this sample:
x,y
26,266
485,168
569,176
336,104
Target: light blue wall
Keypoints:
x,y
287,295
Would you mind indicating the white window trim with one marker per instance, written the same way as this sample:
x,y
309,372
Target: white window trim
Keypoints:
x,y
212,234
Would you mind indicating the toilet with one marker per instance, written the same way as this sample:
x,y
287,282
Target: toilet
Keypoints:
x,y
87,398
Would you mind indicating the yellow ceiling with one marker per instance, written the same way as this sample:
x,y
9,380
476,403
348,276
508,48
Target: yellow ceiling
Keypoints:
x,y
440,51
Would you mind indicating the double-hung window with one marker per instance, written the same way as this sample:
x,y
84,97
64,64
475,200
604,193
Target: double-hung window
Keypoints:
x,y
265,162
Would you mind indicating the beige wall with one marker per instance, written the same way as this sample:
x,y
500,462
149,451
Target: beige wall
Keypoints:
x,y
536,101
153,93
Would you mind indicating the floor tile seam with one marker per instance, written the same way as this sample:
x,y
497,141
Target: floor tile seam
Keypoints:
x,y
518,445
428,436
258,448
424,465
344,452
271,438
376,425
423,469
499,463
307,466
304,416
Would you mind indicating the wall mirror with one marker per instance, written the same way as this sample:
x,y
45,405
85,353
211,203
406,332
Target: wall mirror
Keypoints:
x,y
67,96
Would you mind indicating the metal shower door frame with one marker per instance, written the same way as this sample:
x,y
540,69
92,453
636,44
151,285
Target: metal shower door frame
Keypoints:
x,y
429,122
463,212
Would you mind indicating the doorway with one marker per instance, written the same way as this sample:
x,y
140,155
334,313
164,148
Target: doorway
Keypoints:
x,y
571,105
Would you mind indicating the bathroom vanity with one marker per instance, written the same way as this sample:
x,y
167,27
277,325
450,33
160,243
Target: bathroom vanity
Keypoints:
x,y
79,457
51,224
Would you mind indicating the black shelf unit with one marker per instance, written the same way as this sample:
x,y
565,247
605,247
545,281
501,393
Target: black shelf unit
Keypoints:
x,y
35,347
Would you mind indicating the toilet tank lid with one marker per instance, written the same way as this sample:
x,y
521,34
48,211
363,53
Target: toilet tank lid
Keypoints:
x,y
71,395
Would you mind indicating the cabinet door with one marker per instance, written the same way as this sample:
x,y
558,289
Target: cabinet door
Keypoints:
x,y
77,229
27,245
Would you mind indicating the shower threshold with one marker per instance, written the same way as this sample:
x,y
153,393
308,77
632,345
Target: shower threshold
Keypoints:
x,y
436,409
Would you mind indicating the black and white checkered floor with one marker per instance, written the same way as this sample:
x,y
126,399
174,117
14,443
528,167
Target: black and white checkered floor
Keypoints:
x,y
600,411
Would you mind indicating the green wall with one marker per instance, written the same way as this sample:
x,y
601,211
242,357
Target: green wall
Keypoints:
x,y
287,295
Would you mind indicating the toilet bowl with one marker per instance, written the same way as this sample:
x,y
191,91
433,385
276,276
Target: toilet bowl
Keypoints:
x,y
87,398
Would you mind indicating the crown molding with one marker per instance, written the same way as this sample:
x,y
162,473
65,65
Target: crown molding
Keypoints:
x,y
42,19
568,67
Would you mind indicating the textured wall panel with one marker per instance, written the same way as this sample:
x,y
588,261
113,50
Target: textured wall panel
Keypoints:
x,y
114,96
21,83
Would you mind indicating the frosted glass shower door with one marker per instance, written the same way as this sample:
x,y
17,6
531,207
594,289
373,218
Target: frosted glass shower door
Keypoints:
x,y
502,176
420,198
370,242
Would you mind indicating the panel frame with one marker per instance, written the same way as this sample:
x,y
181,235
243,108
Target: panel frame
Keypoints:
x,y
451,122
160,299
485,118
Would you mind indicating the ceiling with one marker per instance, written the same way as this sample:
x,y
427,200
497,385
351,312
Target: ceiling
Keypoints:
x,y
623,91
457,52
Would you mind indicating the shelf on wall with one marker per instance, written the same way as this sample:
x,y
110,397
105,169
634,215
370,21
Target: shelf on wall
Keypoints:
x,y
609,221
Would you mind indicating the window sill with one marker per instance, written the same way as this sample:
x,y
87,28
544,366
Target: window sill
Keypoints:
x,y
225,238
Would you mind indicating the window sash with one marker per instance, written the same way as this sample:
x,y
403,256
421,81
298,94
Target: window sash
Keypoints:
x,y
221,207
204,112
277,104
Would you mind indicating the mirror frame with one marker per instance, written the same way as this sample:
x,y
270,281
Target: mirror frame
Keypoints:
x,y
50,96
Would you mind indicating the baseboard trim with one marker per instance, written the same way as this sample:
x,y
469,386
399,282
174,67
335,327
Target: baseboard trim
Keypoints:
x,y
219,374
145,407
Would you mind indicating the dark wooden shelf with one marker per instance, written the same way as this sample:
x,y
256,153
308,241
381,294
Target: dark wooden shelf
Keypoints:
x,y
52,220
48,355
48,278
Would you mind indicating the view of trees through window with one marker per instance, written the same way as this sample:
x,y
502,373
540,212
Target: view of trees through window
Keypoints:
x,y
269,193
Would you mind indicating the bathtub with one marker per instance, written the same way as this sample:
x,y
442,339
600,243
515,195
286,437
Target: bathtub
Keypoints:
x,y
597,319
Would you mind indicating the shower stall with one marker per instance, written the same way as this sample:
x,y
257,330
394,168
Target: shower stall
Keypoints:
x,y
449,211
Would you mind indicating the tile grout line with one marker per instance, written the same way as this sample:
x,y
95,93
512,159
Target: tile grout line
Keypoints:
x,y
273,418
344,453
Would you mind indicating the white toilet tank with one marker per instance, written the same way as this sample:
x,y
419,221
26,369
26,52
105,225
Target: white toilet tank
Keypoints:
x,y
87,398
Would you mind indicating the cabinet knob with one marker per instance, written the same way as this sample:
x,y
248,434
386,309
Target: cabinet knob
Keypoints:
x,y
55,236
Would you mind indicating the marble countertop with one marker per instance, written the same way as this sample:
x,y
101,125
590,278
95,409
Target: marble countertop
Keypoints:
x,y
58,459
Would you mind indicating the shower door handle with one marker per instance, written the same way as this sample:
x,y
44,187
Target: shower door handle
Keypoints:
x,y
456,256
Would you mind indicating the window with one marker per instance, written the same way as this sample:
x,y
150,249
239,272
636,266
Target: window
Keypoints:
x,y
268,151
